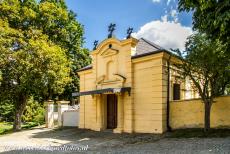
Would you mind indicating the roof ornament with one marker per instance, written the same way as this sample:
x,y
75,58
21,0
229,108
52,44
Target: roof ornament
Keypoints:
x,y
129,32
111,28
95,43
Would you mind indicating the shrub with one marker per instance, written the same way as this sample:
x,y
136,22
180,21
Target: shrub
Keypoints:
x,y
6,111
34,112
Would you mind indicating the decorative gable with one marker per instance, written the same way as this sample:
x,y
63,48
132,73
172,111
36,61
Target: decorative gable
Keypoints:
x,y
109,52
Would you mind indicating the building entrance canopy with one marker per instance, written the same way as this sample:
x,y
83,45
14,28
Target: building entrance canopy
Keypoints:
x,y
103,91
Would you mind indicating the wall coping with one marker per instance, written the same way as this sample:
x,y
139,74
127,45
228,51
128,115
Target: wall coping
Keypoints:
x,y
75,110
63,102
185,100
193,99
48,102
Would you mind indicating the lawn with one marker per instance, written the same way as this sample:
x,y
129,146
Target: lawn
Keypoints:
x,y
7,127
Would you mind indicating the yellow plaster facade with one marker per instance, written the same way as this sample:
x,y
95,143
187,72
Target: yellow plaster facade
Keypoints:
x,y
190,113
117,64
144,110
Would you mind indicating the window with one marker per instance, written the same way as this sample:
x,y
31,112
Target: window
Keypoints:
x,y
176,91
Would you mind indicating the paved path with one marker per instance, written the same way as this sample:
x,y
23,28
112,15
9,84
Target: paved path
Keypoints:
x,y
42,141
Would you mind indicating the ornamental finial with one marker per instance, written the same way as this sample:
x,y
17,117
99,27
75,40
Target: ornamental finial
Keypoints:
x,y
129,32
111,29
95,43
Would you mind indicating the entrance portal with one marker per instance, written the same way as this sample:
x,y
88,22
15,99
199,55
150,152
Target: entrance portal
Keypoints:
x,y
111,111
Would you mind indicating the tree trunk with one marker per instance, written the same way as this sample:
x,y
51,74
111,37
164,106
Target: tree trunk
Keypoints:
x,y
207,116
17,120
19,109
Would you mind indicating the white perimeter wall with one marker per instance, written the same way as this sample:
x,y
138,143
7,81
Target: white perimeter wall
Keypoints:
x,y
71,118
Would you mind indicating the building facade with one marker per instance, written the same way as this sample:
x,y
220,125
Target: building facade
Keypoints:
x,y
128,87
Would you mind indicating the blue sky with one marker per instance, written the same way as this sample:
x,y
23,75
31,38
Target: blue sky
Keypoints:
x,y
145,16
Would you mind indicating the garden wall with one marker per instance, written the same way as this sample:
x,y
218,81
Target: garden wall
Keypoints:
x,y
190,113
71,118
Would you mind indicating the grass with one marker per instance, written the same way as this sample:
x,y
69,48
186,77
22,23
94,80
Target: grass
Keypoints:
x,y
7,127
199,133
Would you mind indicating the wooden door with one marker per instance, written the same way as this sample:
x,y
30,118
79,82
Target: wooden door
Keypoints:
x,y
111,111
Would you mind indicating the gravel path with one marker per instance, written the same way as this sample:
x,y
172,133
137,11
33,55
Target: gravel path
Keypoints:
x,y
43,140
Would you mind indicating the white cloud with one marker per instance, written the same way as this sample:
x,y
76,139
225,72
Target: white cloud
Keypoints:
x,y
168,2
164,18
156,1
174,15
167,34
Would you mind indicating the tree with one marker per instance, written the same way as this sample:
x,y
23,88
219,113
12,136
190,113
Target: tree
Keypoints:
x,y
42,40
65,31
206,64
30,64
211,17
54,20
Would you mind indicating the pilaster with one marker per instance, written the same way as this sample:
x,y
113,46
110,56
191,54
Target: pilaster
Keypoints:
x,y
49,116
62,106
120,114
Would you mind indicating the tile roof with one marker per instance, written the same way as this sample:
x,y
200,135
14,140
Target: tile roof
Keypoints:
x,y
145,46
85,68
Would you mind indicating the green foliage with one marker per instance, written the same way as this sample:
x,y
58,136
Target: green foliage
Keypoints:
x,y
227,91
53,19
207,65
207,60
41,48
6,111
34,112
211,17
7,127
30,63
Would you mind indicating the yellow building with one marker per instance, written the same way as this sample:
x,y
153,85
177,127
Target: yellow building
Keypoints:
x,y
126,88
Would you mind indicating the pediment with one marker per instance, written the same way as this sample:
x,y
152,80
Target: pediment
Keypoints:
x,y
109,52
117,78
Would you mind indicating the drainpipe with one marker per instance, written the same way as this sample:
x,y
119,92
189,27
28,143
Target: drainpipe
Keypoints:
x,y
168,94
